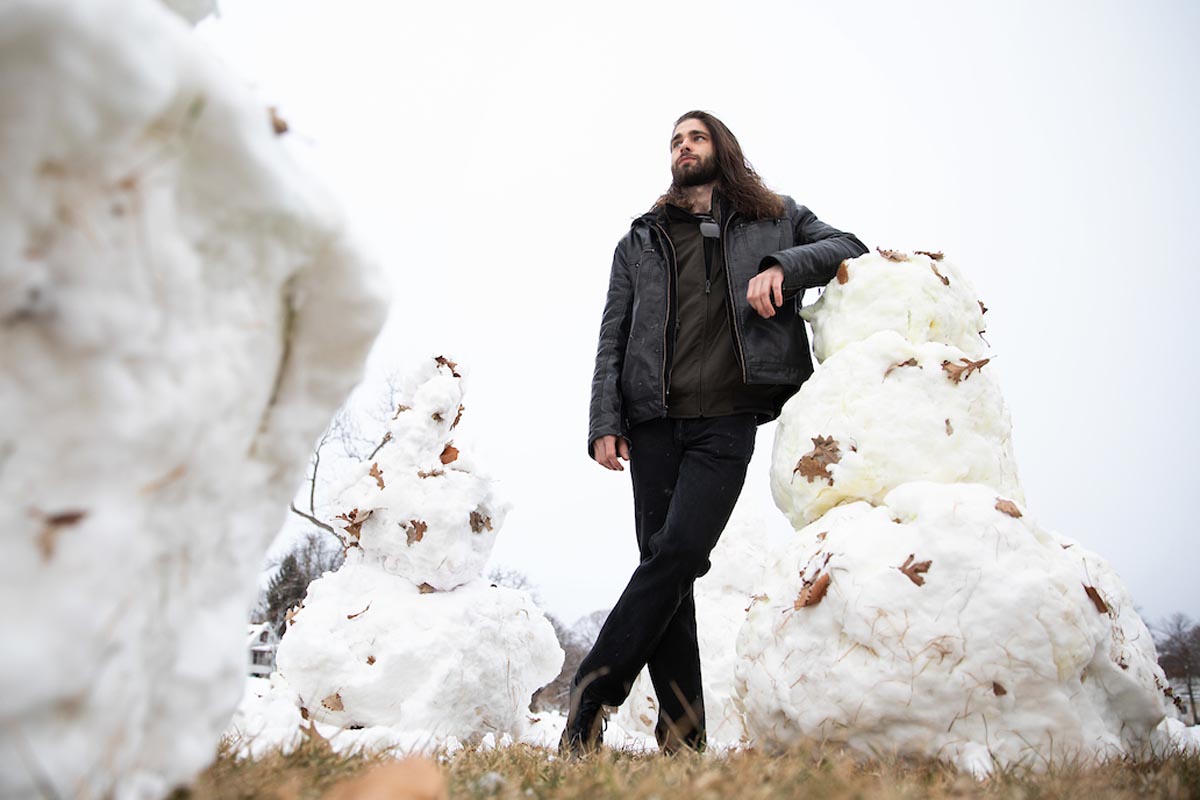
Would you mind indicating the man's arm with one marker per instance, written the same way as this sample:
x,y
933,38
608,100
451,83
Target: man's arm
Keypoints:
x,y
811,262
606,419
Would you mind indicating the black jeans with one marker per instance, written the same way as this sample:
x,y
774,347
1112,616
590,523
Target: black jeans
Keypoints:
x,y
687,475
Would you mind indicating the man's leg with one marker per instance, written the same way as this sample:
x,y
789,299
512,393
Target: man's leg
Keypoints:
x,y
715,454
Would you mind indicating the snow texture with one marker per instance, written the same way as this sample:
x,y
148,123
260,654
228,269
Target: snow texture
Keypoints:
x,y
989,647
922,612
908,297
406,635
722,597
182,310
896,415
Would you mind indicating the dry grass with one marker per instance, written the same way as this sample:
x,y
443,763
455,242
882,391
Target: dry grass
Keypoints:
x,y
528,772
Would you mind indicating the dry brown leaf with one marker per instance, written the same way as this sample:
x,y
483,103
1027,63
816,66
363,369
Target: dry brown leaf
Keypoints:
x,y
960,372
982,308
458,417
435,473
52,526
935,256
949,427
843,273
445,362
998,690
812,592
479,522
821,536
278,124
415,530
449,454
290,616
355,521
437,417
303,713
893,255
1065,546
359,614
333,702
945,281
1008,507
914,570
1096,599
912,362
370,659
816,463
377,474
400,409
426,588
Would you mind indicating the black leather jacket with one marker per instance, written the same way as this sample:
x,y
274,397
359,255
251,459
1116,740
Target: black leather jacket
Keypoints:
x,y
632,376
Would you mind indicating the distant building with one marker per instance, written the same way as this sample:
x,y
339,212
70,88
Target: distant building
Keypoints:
x,y
262,643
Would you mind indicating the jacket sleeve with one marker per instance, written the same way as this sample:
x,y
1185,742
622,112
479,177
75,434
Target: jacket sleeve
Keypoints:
x,y
818,251
606,416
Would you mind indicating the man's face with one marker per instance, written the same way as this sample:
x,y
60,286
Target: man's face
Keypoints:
x,y
693,159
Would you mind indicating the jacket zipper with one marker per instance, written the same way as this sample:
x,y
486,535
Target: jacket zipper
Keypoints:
x,y
666,374
737,338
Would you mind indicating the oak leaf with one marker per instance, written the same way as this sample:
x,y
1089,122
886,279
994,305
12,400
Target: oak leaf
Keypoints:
x,y
355,521
912,362
945,281
359,614
816,463
377,474
998,690
935,256
449,454
960,372
1008,507
415,530
333,702
445,362
457,417
1096,599
370,659
479,522
914,570
812,592
843,273
893,255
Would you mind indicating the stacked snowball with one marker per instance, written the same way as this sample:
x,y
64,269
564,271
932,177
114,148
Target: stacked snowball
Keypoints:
x,y
407,634
722,597
167,277
920,611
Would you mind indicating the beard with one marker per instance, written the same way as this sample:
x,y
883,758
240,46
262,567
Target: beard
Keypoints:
x,y
703,170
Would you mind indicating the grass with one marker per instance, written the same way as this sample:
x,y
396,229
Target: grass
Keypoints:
x,y
528,772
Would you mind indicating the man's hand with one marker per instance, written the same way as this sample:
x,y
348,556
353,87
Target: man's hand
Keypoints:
x,y
607,449
765,292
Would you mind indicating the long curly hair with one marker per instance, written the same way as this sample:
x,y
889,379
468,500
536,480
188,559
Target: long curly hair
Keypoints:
x,y
737,181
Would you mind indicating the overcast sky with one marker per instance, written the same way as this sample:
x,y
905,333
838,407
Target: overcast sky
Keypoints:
x,y
490,155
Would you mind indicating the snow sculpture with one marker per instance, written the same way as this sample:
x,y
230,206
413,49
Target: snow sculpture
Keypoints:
x,y
167,277
722,597
406,633
919,617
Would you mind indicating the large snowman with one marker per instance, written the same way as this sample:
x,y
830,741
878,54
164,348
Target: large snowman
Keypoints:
x,y
920,610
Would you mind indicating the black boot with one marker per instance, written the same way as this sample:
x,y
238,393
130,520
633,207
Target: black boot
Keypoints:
x,y
585,727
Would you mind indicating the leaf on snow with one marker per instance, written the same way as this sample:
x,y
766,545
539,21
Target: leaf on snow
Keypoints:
x,y
370,659
426,588
431,474
445,362
355,519
982,307
945,281
949,427
415,530
912,362
458,416
935,256
815,463
376,473
400,409
843,273
1008,507
449,453
479,522
1096,599
893,255
998,690
52,525
278,123
333,702
437,417
914,570
960,372
821,536
359,614
811,592
290,616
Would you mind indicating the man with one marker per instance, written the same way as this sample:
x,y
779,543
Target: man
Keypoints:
x,y
701,341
